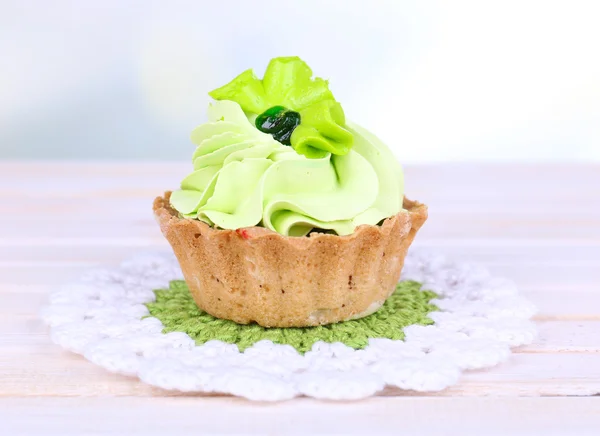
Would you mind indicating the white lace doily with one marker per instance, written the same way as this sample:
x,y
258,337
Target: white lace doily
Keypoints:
x,y
480,318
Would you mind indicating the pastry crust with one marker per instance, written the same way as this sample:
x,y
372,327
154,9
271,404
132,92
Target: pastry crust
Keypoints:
x,y
257,275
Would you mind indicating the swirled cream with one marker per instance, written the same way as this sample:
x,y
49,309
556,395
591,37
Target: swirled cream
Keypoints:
x,y
243,177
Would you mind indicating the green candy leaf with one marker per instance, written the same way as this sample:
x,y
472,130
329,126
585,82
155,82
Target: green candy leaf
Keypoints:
x,y
293,107
288,82
282,75
246,90
322,131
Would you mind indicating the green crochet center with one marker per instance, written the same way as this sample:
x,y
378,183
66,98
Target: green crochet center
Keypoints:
x,y
178,312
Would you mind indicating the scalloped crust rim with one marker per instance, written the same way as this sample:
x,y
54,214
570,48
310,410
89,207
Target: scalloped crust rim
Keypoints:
x,y
254,274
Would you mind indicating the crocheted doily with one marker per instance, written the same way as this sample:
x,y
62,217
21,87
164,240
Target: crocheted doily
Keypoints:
x,y
105,317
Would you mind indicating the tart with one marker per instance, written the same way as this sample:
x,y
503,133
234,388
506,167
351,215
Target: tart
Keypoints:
x,y
292,216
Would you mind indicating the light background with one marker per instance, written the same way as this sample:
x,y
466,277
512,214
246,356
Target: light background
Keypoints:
x,y
437,80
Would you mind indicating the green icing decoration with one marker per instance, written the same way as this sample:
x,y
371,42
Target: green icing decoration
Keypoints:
x,y
321,131
409,305
247,90
242,177
288,82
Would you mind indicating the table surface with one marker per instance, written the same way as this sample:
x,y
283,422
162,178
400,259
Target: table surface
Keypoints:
x,y
536,224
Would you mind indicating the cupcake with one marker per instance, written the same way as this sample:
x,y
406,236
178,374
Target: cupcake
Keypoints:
x,y
292,216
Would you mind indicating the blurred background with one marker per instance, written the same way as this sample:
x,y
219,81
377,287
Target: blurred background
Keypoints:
x,y
437,80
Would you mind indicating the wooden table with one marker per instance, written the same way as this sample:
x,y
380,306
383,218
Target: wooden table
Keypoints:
x,y
539,225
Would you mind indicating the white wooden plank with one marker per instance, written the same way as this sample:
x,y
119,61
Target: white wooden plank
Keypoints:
x,y
40,171
22,304
531,278
100,253
13,329
455,189
473,204
49,275
562,276
565,360
551,304
147,234
564,304
469,211
564,337
471,251
58,373
514,251
179,416
544,178
498,176
553,337
27,299
525,374
83,231
91,220
79,208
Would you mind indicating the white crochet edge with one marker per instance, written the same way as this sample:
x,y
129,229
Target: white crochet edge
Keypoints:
x,y
480,318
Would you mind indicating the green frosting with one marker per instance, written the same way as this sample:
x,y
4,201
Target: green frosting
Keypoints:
x,y
243,177
409,305
288,82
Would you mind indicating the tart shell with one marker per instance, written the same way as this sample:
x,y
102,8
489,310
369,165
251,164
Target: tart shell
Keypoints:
x,y
256,275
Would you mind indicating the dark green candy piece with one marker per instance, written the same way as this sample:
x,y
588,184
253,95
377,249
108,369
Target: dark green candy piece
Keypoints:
x,y
278,121
270,120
